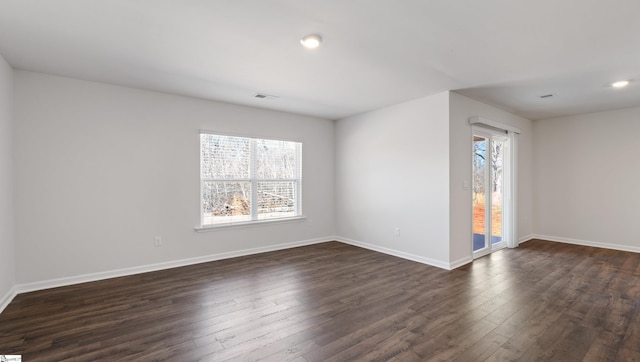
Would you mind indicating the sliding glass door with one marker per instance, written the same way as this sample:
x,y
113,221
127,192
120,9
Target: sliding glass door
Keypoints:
x,y
490,153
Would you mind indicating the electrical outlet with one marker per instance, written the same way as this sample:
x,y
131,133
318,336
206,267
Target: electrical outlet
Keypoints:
x,y
157,241
397,231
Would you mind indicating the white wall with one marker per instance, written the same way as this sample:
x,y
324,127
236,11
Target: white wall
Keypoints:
x,y
586,180
101,169
392,170
461,152
98,170
7,266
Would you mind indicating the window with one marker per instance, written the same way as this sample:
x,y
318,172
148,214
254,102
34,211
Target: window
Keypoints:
x,y
248,179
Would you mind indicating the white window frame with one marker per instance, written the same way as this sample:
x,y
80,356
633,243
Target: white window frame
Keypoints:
x,y
253,218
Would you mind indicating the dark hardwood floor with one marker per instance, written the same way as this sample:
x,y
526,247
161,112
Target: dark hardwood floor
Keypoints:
x,y
334,302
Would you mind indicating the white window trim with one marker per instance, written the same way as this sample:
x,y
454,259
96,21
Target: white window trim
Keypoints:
x,y
202,227
243,224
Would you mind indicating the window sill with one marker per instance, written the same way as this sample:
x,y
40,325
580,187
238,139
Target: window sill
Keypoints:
x,y
243,224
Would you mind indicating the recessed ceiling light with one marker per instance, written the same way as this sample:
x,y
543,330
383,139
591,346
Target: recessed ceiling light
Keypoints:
x,y
620,84
311,41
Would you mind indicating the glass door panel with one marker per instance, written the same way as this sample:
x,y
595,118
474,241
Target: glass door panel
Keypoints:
x,y
497,181
488,189
479,192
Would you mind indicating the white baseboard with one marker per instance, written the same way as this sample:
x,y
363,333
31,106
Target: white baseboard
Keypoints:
x,y
526,238
4,302
633,249
460,262
60,282
399,254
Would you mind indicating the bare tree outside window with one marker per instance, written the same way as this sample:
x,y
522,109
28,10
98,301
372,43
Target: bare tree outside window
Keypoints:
x,y
246,179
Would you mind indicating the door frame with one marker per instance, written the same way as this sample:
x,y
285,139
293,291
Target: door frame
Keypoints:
x,y
508,191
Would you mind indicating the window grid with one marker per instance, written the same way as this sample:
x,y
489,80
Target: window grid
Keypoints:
x,y
227,199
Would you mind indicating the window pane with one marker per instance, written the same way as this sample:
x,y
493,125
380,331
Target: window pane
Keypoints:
x,y
245,179
276,199
276,159
497,157
224,157
226,202
479,195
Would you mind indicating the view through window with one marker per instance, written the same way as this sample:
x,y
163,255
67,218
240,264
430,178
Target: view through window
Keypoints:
x,y
248,179
488,180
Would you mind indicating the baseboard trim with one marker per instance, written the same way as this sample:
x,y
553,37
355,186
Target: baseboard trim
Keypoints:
x,y
397,253
460,262
4,302
61,282
595,244
526,238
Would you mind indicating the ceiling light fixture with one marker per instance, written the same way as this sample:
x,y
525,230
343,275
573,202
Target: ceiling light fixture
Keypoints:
x,y
620,84
311,41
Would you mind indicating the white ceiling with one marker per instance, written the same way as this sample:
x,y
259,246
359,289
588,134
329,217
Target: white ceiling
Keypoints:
x,y
375,52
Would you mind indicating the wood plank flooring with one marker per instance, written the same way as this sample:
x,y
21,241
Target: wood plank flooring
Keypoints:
x,y
335,302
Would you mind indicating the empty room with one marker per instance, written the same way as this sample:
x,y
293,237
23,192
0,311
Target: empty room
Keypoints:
x,y
282,180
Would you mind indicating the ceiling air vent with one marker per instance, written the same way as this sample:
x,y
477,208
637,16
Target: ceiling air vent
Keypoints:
x,y
545,96
265,96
